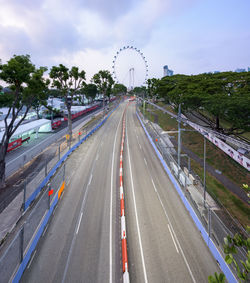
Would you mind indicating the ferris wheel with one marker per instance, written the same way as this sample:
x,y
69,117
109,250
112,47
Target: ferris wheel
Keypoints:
x,y
130,67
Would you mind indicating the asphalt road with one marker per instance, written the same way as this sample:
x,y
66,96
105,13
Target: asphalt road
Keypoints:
x,y
82,241
164,245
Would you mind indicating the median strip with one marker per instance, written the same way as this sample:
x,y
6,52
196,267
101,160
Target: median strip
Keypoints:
x,y
122,206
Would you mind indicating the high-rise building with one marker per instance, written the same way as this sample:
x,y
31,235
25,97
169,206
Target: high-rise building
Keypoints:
x,y
167,71
240,70
248,69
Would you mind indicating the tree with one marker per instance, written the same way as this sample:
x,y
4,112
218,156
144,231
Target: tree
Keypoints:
x,y
67,82
217,278
231,245
40,101
140,91
104,83
26,84
119,89
90,91
152,89
224,95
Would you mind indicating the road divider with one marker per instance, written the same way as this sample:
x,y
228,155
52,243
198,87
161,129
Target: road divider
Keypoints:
x,y
122,206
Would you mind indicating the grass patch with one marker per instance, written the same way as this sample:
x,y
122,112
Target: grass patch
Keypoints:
x,y
231,202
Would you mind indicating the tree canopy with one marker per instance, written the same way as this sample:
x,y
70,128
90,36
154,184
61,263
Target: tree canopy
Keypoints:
x,y
225,95
67,82
119,89
90,91
152,88
27,85
140,90
104,82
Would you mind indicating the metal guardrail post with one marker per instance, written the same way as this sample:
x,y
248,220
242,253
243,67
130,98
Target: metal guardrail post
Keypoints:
x,y
209,222
185,183
46,171
59,152
21,243
189,167
49,195
64,171
24,193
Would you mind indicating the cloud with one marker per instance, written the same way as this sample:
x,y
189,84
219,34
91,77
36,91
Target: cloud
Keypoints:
x,y
109,10
180,33
14,41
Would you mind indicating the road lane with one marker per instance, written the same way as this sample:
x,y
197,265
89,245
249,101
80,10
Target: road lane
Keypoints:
x,y
173,249
95,225
76,245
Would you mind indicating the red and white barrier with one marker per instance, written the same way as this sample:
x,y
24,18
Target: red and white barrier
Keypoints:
x,y
122,206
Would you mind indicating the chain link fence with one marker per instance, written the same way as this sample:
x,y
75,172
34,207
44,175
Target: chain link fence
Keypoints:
x,y
19,246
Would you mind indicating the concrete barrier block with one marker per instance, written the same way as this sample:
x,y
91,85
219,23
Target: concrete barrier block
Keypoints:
x,y
186,171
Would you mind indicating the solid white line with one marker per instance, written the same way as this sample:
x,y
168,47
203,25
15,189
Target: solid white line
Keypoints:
x,y
139,145
178,243
111,207
145,161
153,184
79,223
90,179
45,230
31,259
136,216
173,238
183,255
97,157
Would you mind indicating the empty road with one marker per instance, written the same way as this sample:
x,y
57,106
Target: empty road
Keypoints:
x,y
82,242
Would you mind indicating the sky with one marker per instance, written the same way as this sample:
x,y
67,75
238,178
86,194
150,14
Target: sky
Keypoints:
x,y
190,36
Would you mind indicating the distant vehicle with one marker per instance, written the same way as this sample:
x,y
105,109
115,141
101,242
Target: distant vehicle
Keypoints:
x,y
131,98
16,143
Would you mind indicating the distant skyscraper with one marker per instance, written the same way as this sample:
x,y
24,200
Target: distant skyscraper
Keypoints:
x,y
216,72
248,69
167,71
240,70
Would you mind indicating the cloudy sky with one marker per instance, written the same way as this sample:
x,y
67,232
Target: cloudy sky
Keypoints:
x,y
190,36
